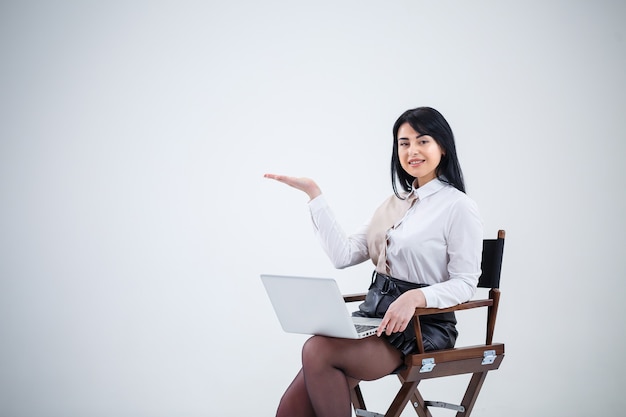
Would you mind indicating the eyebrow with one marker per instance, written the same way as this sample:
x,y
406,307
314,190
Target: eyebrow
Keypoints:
x,y
416,137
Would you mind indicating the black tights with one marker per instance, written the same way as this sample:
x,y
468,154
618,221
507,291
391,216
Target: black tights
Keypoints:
x,y
330,367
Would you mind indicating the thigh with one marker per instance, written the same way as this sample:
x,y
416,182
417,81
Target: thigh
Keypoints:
x,y
359,359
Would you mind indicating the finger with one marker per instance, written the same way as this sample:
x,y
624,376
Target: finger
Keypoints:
x,y
283,179
389,328
275,177
279,177
381,328
398,326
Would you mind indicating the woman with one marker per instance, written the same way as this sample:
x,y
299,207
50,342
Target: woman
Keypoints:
x,y
426,243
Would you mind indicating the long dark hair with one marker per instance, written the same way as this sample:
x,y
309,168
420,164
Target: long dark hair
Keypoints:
x,y
427,121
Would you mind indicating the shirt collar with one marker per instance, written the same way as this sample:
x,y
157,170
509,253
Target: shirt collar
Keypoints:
x,y
430,188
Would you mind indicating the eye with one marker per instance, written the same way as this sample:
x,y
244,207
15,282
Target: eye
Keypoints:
x,y
403,143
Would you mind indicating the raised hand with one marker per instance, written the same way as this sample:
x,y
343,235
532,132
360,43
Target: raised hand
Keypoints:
x,y
304,184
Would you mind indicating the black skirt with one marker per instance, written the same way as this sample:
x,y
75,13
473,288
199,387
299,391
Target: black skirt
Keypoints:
x,y
438,330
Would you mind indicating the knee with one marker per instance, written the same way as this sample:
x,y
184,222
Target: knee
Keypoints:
x,y
318,349
311,347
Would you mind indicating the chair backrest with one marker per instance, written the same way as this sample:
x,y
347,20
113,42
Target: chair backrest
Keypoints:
x,y
492,262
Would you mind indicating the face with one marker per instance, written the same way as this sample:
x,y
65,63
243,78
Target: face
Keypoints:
x,y
419,154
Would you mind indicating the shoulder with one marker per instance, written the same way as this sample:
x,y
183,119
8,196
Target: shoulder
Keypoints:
x,y
463,218
459,203
449,192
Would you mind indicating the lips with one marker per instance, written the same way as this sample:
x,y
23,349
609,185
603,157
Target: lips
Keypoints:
x,y
416,162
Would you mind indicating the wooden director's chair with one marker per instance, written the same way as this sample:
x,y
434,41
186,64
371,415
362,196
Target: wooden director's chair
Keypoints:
x,y
475,360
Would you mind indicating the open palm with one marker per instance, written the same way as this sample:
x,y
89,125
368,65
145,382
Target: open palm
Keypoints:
x,y
304,184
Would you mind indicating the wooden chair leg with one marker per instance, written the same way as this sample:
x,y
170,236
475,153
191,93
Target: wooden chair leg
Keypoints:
x,y
357,398
417,401
401,399
419,404
473,389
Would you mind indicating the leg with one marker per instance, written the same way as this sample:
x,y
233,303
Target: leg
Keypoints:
x,y
330,366
295,401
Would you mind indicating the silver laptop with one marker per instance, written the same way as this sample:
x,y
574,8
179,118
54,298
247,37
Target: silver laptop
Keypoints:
x,y
315,306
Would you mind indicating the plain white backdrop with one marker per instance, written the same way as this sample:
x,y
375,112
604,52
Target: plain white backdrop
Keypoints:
x,y
134,219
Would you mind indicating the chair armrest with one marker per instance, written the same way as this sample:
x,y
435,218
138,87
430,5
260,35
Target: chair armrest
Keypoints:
x,y
350,298
491,303
424,311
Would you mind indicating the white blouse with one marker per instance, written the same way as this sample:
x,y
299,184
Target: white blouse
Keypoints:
x,y
438,242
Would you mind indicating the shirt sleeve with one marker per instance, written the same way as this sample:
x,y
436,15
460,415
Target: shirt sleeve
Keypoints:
x,y
464,233
343,250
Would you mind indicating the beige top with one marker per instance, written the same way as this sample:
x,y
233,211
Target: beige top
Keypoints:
x,y
387,217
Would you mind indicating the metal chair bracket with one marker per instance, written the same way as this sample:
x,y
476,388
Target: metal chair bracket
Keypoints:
x,y
427,365
365,413
448,406
489,357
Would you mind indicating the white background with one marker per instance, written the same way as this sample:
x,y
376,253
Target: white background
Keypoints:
x,y
133,212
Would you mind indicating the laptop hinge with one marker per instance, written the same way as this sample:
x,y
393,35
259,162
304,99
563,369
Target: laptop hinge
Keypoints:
x,y
427,365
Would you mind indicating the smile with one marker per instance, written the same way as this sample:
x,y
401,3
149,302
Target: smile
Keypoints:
x,y
416,162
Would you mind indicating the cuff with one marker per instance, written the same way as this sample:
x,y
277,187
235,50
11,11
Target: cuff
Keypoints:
x,y
317,203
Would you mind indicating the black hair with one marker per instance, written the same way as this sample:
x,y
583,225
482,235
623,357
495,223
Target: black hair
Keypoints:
x,y
427,121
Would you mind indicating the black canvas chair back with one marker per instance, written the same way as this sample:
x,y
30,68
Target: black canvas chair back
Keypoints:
x,y
493,250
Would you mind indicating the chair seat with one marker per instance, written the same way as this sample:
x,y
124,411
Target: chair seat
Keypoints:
x,y
465,360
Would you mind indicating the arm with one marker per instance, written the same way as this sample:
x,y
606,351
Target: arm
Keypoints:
x,y
464,235
342,250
